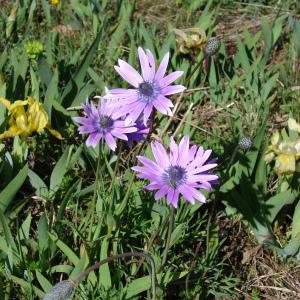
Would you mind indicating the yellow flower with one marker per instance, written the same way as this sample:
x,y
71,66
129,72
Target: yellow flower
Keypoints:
x,y
293,125
285,151
54,2
285,164
190,39
26,117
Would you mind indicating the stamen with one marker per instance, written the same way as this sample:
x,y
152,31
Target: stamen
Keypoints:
x,y
174,176
146,89
105,123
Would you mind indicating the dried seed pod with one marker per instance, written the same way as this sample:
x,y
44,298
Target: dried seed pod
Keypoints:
x,y
212,47
245,143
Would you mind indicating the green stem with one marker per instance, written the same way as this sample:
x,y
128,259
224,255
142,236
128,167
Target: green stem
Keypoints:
x,y
93,208
194,70
170,229
116,168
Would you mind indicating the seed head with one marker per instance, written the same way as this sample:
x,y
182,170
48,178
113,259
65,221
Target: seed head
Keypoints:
x,y
212,47
245,143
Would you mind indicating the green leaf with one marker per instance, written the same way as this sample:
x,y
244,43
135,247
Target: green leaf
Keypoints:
x,y
65,249
296,221
44,70
80,72
138,286
43,236
26,285
51,93
105,279
45,284
9,192
177,234
7,233
59,171
39,185
80,267
268,38
35,88
25,228
68,196
275,203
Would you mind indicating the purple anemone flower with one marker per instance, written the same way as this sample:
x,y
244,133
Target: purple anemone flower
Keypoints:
x,y
150,87
183,171
102,122
140,134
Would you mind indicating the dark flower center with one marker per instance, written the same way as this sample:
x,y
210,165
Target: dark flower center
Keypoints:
x,y
106,122
174,176
146,89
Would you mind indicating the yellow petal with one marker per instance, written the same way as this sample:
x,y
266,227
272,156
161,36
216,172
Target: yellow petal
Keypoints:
x,y
37,116
275,138
54,132
17,104
11,132
5,102
285,164
293,125
268,157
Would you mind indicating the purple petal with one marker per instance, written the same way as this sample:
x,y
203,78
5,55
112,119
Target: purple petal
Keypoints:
x,y
203,168
162,67
183,150
119,135
184,190
192,153
170,78
152,186
111,142
160,154
93,139
170,196
152,63
150,164
174,151
147,113
160,193
202,177
172,89
130,71
126,76
144,64
162,107
134,115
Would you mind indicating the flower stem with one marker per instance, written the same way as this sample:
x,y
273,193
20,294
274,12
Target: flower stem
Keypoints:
x,y
116,169
194,70
93,208
170,229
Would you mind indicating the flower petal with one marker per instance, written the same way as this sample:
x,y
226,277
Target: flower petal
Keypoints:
x,y
172,89
162,67
170,78
146,72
